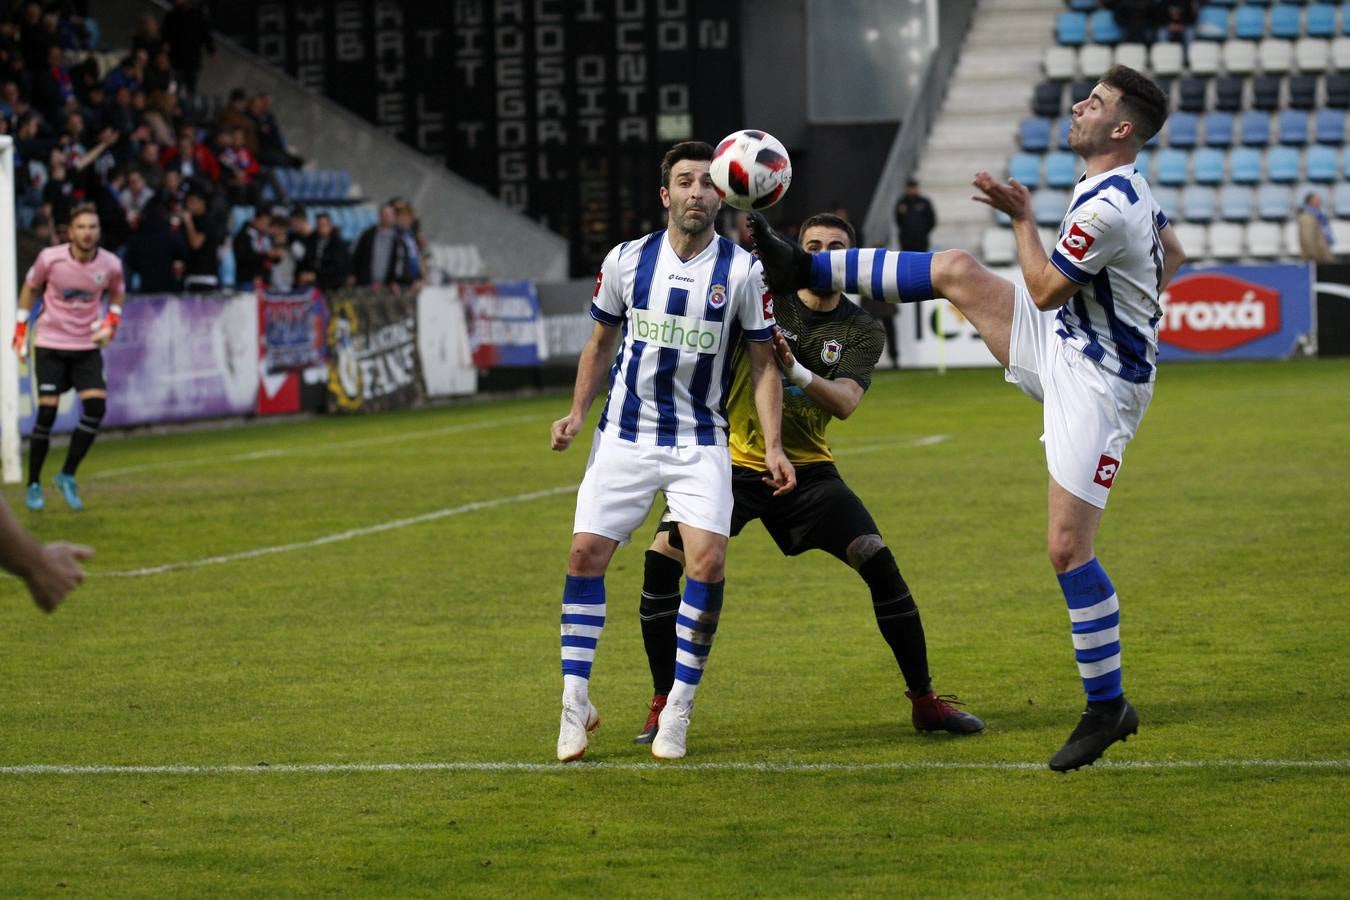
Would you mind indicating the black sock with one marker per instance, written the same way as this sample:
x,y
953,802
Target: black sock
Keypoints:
x,y
660,603
898,618
91,414
39,441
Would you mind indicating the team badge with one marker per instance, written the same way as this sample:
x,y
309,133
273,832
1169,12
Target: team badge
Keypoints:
x,y
1106,471
1077,242
717,296
98,278
829,354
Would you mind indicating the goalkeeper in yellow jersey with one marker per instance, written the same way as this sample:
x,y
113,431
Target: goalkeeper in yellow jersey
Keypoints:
x,y
827,348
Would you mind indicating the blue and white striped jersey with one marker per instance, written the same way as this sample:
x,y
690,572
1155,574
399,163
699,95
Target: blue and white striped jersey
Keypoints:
x,y
681,321
1109,243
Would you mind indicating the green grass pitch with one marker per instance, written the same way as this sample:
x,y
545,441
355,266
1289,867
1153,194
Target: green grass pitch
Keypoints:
x,y
272,601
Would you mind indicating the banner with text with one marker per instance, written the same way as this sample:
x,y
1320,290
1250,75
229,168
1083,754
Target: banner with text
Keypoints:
x,y
505,326
443,343
293,336
1236,312
372,351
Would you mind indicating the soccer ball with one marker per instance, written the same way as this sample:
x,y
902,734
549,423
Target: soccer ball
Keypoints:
x,y
751,169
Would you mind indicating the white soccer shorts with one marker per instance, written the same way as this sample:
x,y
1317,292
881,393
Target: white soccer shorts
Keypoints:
x,y
622,479
1090,414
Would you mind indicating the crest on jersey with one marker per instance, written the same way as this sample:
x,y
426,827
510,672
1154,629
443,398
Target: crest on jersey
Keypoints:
x,y
717,296
1077,242
1106,471
829,354
98,278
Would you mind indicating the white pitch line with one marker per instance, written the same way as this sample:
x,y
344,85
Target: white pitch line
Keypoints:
x,y
925,441
781,767
313,449
339,536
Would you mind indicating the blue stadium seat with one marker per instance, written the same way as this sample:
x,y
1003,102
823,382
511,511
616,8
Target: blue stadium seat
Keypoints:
x,y
1284,21
1212,23
1198,203
344,185
1071,28
1104,28
1049,206
1320,21
1249,23
1273,202
1282,165
238,216
1182,128
1244,165
1330,126
1228,93
1236,203
1340,199
1047,101
1143,164
1322,163
1293,127
1207,166
1061,169
1191,94
1219,129
1254,128
1171,167
227,265
1169,200
1083,5
1033,134
1026,168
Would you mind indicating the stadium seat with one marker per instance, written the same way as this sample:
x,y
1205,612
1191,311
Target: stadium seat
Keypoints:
x,y
1133,55
1276,56
1263,240
1204,57
998,247
1060,62
1080,90
1244,165
1048,206
1083,5
1225,240
227,264
1285,21
1340,51
1061,169
1033,134
1320,21
1171,167
1273,202
1169,200
1194,238
1062,133
1191,94
1340,236
1026,168
1182,129
1104,28
1219,129
1094,60
1266,92
1321,163
1254,128
1289,230
1330,126
1048,99
1303,91
1312,54
1340,199
1338,90
1228,93
1166,59
1292,127
1239,56
1282,165
1211,24
1071,28
1143,164
1207,166
1198,203
1237,203
1249,23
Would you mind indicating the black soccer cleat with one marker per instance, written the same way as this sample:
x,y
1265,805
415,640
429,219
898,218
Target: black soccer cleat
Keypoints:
x,y
1099,728
787,267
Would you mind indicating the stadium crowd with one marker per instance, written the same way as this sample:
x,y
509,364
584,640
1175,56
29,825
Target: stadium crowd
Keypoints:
x,y
165,166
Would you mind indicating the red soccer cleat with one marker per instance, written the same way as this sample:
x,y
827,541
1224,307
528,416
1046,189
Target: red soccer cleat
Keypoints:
x,y
649,730
934,713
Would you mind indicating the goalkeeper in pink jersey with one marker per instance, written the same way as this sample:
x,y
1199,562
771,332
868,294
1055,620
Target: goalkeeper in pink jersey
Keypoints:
x,y
74,279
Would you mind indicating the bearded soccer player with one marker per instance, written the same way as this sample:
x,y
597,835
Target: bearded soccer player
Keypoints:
x,y
71,328
669,308
1081,338
827,348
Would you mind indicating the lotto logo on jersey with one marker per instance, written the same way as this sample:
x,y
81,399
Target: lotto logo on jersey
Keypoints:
x,y
1077,242
676,332
1106,471
599,280
766,301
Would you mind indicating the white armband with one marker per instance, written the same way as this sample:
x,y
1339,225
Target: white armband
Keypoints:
x,y
799,374
21,315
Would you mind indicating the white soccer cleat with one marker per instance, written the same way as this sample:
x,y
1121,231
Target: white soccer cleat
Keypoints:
x,y
577,722
672,731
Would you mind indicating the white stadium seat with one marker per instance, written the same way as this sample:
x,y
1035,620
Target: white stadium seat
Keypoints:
x,y
1290,230
1239,57
1312,54
1264,240
1094,60
1340,53
1225,240
1204,57
1193,239
1061,63
1276,56
1133,55
1340,230
998,247
1166,59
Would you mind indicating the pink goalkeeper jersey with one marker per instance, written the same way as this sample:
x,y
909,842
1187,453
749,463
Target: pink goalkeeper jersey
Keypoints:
x,y
73,300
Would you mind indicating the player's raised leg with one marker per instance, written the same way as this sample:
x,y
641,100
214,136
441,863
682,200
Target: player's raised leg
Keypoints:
x,y
583,620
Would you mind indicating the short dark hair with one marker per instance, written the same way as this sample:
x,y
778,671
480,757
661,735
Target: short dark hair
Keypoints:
x,y
695,150
830,220
1143,102
83,209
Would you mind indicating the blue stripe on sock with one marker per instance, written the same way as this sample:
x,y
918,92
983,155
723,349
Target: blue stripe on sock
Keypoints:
x,y
576,640
1087,586
686,674
878,272
690,647
579,619
1096,654
1107,621
822,273
584,589
576,667
850,270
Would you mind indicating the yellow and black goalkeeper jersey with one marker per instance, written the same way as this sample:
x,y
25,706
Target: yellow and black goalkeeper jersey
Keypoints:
x,y
843,343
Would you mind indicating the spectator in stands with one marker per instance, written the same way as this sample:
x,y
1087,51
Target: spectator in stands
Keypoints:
x,y
34,37
1314,231
375,248
1137,19
253,250
204,233
129,74
161,112
272,150
155,253
147,163
914,218
135,197
159,74
407,270
148,36
173,192
52,86
281,273
297,235
1177,21
327,262
235,117
58,193
190,158
187,31
238,167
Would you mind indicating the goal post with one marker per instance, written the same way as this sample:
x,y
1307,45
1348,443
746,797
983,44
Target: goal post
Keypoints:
x,y
9,279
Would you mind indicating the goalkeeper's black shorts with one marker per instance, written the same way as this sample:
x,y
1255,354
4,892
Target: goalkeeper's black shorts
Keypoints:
x,y
58,371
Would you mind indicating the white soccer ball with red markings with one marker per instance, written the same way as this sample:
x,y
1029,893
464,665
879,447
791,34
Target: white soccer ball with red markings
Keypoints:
x,y
751,169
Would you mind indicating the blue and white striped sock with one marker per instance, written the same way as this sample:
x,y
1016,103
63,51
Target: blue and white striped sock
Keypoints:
x,y
893,275
695,625
583,618
1094,611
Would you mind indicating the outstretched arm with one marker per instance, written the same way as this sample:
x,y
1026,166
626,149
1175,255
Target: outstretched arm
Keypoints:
x,y
838,397
769,406
1048,286
50,571
592,373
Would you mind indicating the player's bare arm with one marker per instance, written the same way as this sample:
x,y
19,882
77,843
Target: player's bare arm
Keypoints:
x,y
838,396
20,340
769,406
1049,288
1173,255
50,571
592,371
